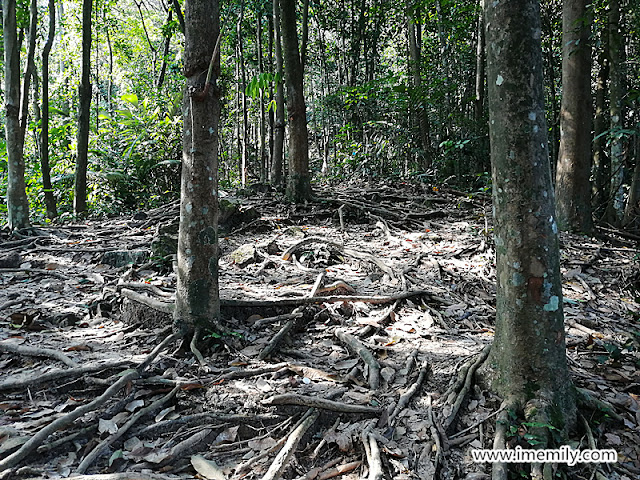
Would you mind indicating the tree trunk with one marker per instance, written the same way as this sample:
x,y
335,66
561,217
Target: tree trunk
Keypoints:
x,y
632,210
299,182
527,364
573,190
417,98
49,199
165,53
263,126
278,138
197,295
17,202
615,210
478,104
176,8
84,113
601,161
243,94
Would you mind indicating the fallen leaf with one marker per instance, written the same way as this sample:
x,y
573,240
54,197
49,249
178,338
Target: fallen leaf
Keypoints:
x,y
207,468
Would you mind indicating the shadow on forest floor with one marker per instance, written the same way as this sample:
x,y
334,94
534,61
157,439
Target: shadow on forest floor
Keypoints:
x,y
353,324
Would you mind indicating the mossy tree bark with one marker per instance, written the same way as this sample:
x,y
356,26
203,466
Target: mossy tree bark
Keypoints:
x,y
197,295
17,202
527,364
298,182
573,188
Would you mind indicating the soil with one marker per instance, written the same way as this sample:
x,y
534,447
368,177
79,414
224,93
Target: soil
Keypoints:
x,y
351,325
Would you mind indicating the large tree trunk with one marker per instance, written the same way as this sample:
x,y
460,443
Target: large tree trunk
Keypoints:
x,y
527,364
573,190
49,199
17,202
278,138
84,113
197,295
299,182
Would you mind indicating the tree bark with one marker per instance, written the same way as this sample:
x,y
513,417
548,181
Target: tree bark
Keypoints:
x,y
616,206
242,92
17,202
417,98
84,113
197,304
299,182
278,140
263,126
49,198
165,53
527,364
601,161
573,189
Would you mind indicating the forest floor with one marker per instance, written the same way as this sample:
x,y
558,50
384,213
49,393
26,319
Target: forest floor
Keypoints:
x,y
354,327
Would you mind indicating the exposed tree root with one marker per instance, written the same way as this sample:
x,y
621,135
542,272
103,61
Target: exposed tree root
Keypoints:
x,y
406,396
91,457
321,403
34,442
37,352
466,386
358,347
282,459
34,379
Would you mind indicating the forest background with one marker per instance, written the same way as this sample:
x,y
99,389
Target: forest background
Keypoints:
x,y
392,90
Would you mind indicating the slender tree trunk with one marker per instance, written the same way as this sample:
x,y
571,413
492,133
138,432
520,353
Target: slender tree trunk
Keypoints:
x,y
272,113
84,113
299,182
17,202
418,106
305,33
245,118
573,190
176,8
278,140
49,199
632,209
197,294
601,161
616,206
165,53
263,127
527,363
29,69
478,110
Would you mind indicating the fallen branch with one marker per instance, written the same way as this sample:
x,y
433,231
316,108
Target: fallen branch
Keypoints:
x,y
321,403
119,476
282,459
35,270
286,256
37,352
358,347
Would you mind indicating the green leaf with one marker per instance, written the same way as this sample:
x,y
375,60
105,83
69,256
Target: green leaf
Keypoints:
x,y
131,98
